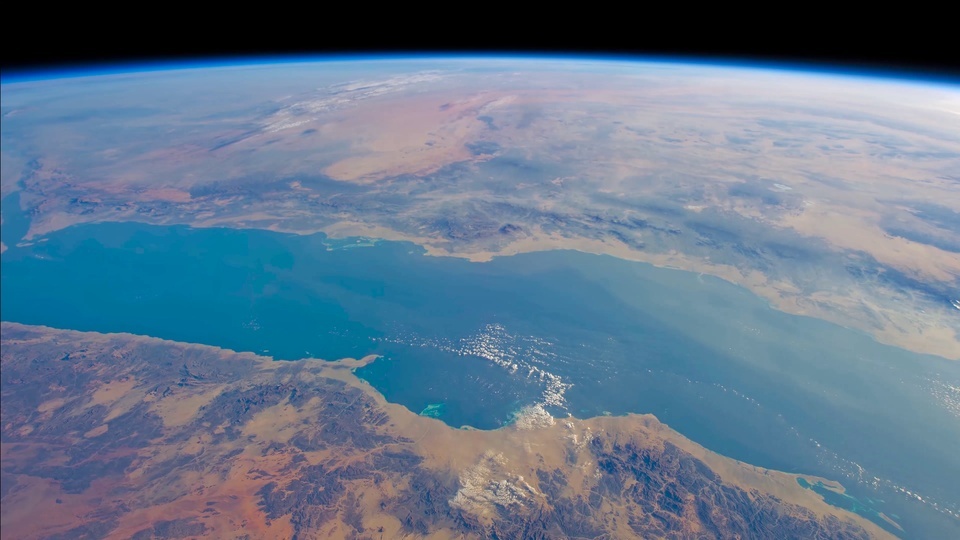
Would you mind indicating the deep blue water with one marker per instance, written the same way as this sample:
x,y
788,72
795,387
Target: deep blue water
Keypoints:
x,y
577,333
16,223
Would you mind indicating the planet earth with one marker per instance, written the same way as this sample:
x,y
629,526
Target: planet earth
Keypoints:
x,y
479,297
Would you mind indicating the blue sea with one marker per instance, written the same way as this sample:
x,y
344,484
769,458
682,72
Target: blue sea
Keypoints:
x,y
579,334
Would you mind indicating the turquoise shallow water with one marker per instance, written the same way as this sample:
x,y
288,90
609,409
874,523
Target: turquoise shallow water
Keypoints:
x,y
575,333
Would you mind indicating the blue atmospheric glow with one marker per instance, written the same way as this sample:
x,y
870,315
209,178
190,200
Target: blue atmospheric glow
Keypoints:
x,y
901,74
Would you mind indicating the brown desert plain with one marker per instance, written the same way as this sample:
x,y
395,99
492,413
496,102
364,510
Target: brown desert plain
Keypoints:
x,y
122,436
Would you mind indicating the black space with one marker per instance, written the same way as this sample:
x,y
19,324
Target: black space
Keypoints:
x,y
889,43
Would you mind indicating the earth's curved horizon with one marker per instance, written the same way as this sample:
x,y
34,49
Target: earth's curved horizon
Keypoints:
x,y
446,214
